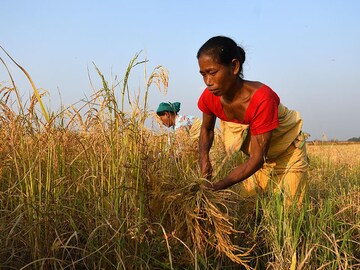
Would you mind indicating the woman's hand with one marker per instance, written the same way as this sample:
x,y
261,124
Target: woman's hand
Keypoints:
x,y
207,185
213,185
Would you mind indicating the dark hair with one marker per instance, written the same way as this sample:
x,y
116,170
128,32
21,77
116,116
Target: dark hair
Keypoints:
x,y
223,50
164,112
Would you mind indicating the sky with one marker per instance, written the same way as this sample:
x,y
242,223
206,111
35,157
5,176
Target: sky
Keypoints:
x,y
307,51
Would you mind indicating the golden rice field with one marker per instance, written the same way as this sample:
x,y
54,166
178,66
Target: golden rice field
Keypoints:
x,y
93,187
338,153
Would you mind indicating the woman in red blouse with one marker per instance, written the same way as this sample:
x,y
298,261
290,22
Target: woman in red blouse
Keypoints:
x,y
253,120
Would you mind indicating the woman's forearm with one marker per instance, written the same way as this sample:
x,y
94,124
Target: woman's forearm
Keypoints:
x,y
259,148
205,143
239,173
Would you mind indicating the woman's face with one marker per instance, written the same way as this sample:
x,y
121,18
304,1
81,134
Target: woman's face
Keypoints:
x,y
219,79
167,119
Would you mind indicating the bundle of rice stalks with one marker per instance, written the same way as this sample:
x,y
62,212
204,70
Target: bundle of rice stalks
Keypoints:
x,y
200,219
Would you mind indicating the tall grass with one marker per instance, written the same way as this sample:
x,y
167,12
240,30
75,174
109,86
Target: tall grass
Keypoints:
x,y
92,187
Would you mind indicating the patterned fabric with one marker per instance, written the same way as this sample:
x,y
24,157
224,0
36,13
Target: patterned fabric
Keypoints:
x,y
184,122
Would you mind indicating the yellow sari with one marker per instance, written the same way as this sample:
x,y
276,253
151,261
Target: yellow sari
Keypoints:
x,y
286,161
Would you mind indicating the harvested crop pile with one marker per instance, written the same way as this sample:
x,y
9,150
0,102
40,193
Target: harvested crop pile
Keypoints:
x,y
199,218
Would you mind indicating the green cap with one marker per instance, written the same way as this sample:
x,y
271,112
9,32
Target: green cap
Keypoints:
x,y
168,107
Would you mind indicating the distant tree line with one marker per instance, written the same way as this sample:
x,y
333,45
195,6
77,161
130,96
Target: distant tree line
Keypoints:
x,y
354,139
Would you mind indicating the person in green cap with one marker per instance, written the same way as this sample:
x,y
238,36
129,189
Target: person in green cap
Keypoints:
x,y
168,114
186,127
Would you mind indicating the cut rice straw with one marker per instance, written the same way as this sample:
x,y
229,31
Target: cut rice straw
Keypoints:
x,y
200,217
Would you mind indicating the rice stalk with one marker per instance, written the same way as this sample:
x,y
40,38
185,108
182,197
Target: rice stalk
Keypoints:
x,y
36,92
133,63
21,110
159,76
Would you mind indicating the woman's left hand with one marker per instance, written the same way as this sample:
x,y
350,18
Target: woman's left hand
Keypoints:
x,y
207,185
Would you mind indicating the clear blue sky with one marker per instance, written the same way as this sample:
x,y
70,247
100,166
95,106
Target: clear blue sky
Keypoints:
x,y
307,51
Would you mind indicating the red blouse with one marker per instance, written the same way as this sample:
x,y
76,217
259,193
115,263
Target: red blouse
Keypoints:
x,y
261,114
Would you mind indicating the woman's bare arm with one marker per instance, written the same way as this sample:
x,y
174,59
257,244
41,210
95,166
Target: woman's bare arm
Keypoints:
x,y
259,146
205,143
